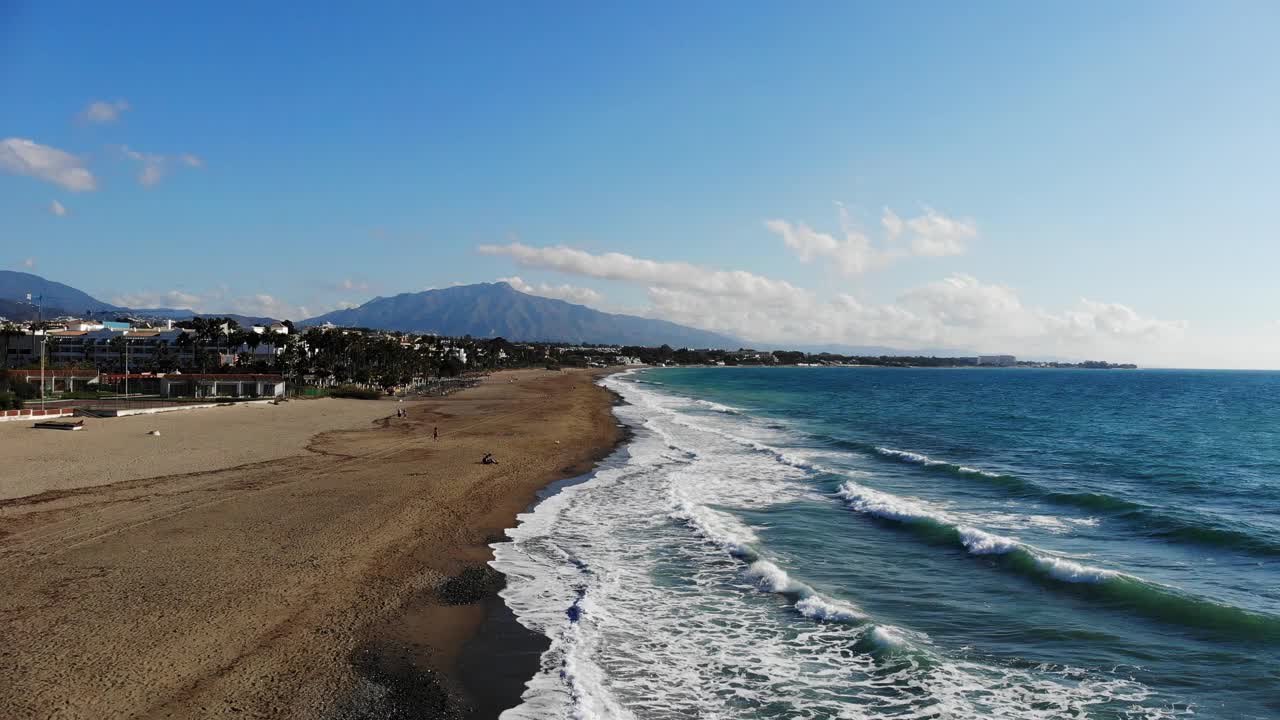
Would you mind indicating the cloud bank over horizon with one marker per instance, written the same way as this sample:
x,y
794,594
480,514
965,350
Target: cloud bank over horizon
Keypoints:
x,y
956,311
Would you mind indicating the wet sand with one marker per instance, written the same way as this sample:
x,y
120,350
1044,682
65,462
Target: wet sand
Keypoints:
x,y
340,581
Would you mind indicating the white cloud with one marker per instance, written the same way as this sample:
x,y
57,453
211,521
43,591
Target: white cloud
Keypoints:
x,y
176,299
568,293
617,266
25,157
958,311
156,166
892,223
1121,321
930,235
150,175
936,235
265,305
352,285
57,208
29,263
854,254
102,111
218,301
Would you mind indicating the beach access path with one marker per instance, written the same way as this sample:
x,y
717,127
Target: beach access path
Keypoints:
x,y
245,569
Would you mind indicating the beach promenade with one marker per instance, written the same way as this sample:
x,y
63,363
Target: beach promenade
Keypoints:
x,y
260,561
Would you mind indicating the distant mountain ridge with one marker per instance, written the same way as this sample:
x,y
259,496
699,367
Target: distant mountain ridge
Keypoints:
x,y
53,299
16,286
480,310
497,309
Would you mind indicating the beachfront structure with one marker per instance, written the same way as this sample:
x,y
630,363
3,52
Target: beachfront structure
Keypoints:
x,y
99,347
146,348
997,360
166,385
234,385
58,381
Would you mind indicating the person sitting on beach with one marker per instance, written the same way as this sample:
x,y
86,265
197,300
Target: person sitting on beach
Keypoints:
x,y
488,459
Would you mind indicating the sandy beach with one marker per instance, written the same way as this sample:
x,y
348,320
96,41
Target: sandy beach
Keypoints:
x,y
189,441
316,559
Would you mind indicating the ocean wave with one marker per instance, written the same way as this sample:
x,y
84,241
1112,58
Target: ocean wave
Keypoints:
x,y
1185,527
737,540
1147,598
793,459
711,405
720,528
635,644
919,459
887,637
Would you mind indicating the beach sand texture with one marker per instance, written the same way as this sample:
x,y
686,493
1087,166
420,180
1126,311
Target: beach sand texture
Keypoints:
x,y
276,588
120,449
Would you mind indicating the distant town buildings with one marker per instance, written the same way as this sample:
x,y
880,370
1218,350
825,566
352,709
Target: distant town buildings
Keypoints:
x,y
216,357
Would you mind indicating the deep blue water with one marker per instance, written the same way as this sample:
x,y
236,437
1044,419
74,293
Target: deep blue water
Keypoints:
x,y
856,542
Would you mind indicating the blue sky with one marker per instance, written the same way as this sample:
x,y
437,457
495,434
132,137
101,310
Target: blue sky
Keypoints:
x,y
1081,180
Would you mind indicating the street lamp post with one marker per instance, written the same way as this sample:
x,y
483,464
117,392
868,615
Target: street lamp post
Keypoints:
x,y
43,339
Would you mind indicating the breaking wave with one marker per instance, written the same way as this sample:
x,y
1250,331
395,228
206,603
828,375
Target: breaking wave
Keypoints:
x,y
1186,526
1111,587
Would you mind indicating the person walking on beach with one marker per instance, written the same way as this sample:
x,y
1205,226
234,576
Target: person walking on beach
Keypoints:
x,y
435,433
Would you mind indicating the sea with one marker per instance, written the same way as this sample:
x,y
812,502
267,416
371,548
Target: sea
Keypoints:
x,y
913,543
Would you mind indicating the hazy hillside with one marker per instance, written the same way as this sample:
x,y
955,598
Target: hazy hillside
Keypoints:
x,y
15,286
497,309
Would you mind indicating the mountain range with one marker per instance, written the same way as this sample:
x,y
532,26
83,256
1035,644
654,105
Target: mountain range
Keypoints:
x,y
54,299
57,298
497,309
481,310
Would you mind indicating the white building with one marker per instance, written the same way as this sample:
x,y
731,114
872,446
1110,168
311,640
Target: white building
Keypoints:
x,y
278,328
240,385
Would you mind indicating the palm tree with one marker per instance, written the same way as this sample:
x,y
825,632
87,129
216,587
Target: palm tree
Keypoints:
x,y
186,342
8,331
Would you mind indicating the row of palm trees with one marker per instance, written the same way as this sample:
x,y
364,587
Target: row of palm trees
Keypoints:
x,y
390,359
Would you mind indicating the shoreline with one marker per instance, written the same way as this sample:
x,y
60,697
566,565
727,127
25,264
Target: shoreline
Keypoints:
x,y
499,658
458,651
341,582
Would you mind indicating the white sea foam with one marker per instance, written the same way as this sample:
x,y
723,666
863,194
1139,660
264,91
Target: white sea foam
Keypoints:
x,y
919,459
888,637
906,455
718,527
888,506
664,625
770,577
821,608
979,542
711,405
1071,571
975,541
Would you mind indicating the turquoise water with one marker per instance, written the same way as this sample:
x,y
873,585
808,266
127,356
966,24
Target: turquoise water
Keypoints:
x,y
865,543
